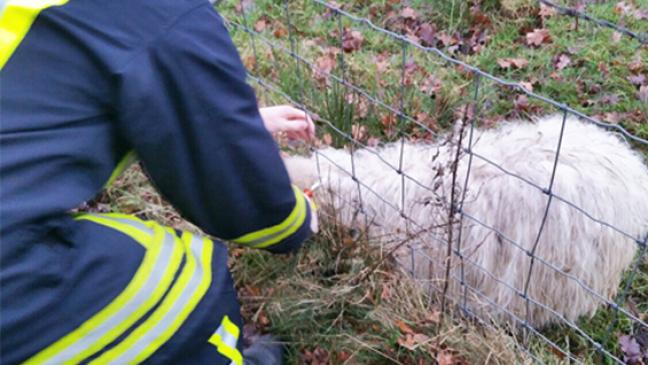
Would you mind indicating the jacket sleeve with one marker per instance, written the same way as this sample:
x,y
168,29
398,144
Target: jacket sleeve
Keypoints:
x,y
185,108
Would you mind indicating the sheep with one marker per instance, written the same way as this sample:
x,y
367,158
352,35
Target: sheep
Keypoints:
x,y
574,256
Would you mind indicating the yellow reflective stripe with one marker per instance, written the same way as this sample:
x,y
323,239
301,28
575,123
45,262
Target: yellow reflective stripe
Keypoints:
x,y
150,282
184,296
271,235
15,21
125,162
225,339
116,222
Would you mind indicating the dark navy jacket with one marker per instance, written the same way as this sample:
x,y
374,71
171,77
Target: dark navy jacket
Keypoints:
x,y
90,81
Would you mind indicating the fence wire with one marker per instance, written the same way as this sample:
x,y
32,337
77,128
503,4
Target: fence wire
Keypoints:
x,y
297,61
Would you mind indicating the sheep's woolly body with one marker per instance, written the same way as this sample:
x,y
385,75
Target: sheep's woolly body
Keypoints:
x,y
596,171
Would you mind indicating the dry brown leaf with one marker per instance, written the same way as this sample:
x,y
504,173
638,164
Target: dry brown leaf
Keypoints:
x,y
407,341
351,40
434,316
638,80
527,85
641,14
280,30
404,328
445,358
260,25
249,62
386,292
427,33
447,39
643,93
359,132
546,11
409,13
431,85
623,8
521,102
324,65
609,99
603,68
537,37
636,65
562,61
506,63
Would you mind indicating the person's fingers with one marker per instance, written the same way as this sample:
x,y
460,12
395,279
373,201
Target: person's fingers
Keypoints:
x,y
311,128
294,126
290,112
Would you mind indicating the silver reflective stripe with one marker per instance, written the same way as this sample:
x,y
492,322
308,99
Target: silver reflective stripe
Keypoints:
x,y
156,275
227,338
131,222
161,327
262,240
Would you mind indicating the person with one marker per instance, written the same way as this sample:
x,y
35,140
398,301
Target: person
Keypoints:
x,y
87,85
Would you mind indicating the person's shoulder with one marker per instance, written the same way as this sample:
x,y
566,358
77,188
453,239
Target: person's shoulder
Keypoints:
x,y
156,13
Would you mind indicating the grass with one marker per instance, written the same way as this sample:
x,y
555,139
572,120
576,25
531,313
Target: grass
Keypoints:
x,y
319,301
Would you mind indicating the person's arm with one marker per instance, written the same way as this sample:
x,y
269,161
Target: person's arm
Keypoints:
x,y
186,109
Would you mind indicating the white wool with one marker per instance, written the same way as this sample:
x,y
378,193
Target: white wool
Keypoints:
x,y
597,172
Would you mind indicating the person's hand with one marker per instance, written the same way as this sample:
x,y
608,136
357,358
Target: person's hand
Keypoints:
x,y
295,123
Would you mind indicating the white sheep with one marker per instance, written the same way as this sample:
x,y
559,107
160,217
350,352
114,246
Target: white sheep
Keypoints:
x,y
596,171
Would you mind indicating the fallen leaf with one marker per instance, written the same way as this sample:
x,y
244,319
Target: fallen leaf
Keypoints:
x,y
609,99
527,85
602,67
260,25
280,30
641,14
404,328
445,358
447,39
359,132
643,93
562,61
631,350
409,13
343,356
351,40
431,85
537,37
613,117
324,65
427,33
518,63
623,8
636,65
389,122
426,120
434,316
385,293
546,11
249,62
521,102
407,341
638,80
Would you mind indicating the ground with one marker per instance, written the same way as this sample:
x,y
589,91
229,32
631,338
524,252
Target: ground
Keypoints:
x,y
337,301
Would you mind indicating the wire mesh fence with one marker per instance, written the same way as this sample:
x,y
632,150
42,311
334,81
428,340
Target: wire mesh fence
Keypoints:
x,y
312,65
